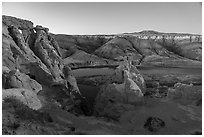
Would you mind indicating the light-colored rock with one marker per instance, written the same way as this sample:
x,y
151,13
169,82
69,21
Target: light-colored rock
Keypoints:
x,y
132,91
5,69
113,99
72,83
127,70
26,96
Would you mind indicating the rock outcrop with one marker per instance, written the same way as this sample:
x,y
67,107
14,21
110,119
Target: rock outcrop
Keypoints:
x,y
46,48
26,96
33,57
15,79
38,55
184,93
116,98
18,55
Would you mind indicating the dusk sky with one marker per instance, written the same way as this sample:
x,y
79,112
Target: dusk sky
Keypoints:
x,y
110,18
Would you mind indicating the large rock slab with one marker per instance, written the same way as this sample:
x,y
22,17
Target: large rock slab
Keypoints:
x,y
15,79
47,50
26,96
132,90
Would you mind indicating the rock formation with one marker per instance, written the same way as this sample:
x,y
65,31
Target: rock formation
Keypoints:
x,y
113,98
15,79
41,96
184,93
48,52
33,57
27,97
146,47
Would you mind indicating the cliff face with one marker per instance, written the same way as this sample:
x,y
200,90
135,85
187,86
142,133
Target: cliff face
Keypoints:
x,y
147,48
33,61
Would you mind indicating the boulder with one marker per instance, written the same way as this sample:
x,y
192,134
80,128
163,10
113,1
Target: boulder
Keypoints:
x,y
26,96
153,124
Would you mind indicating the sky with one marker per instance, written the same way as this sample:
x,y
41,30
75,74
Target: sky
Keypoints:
x,y
109,18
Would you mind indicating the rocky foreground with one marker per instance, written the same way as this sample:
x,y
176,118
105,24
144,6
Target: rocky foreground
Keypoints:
x,y
41,95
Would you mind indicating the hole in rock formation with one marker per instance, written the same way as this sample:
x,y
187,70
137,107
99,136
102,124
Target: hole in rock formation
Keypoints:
x,y
31,76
